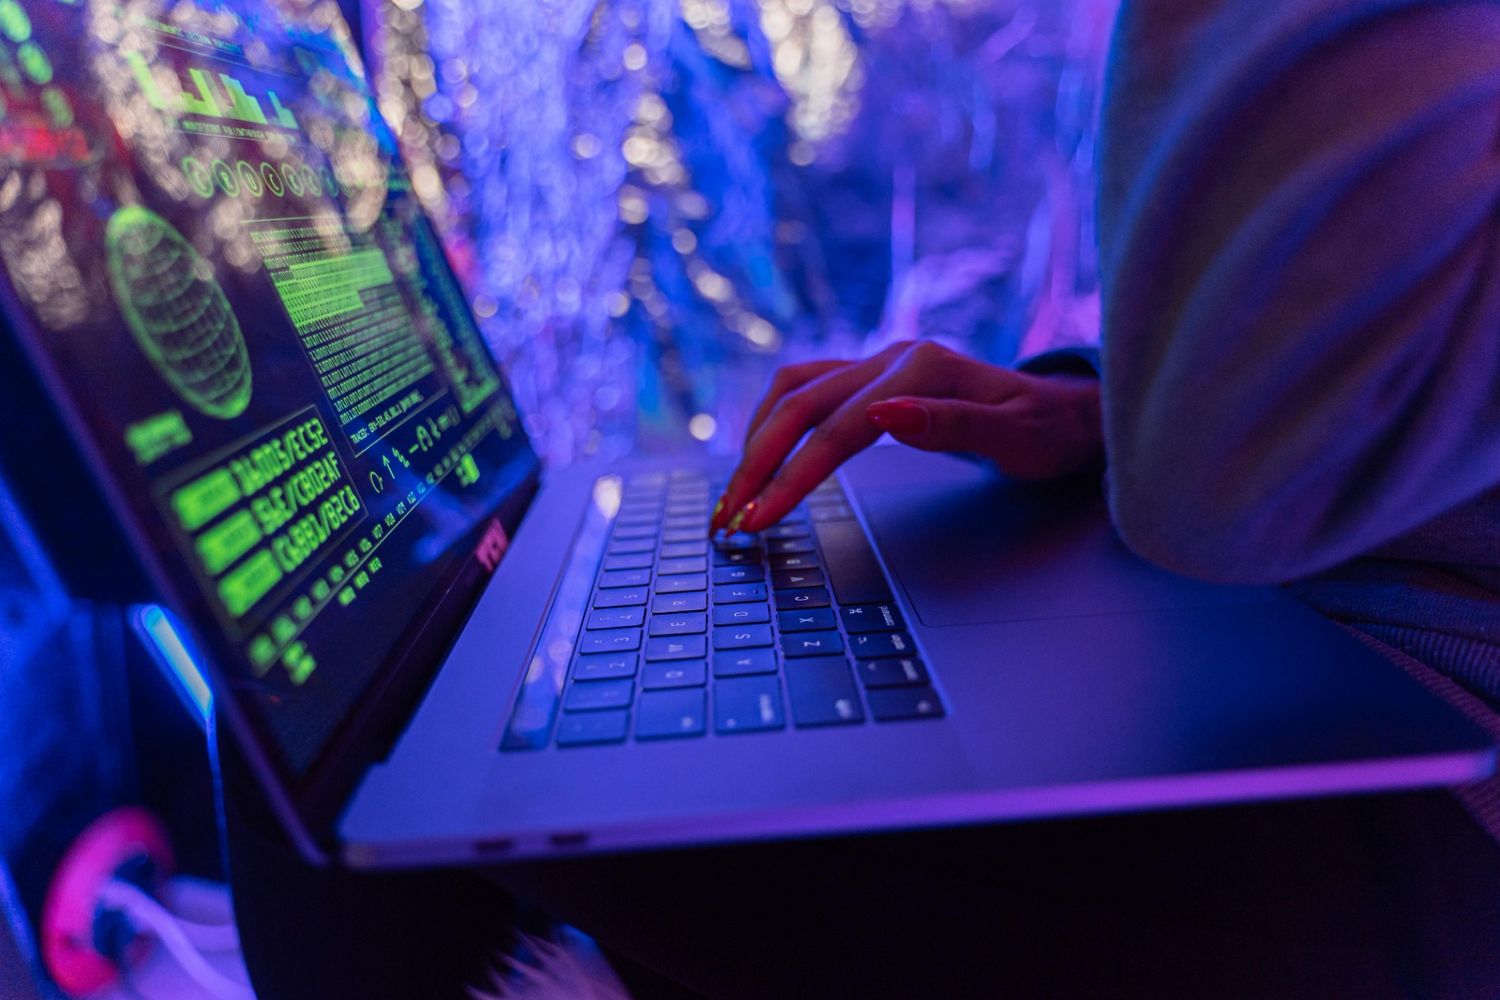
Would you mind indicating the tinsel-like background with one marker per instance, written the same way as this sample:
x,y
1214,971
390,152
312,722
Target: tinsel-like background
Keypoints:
x,y
653,203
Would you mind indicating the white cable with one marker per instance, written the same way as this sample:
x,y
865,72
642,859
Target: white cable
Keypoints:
x,y
209,937
215,936
150,916
204,936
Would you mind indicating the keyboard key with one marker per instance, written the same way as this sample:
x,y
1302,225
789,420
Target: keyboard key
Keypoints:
x,y
679,647
812,643
747,705
681,584
741,614
799,561
605,666
643,501
624,546
739,593
633,531
598,695
787,546
667,604
630,560
791,579
787,531
615,640
685,550
616,618
678,535
674,674
742,636
691,623
832,512
822,693
905,671
697,524
724,540
808,597
873,644
624,578
738,574
739,662
663,715
806,620
892,704
676,567
624,597
737,557
872,618
850,563
592,728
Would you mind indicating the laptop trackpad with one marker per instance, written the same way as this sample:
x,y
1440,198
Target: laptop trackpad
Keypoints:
x,y
970,547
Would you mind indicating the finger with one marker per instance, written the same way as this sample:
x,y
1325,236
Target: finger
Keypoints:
x,y
786,380
789,379
945,424
792,416
1023,436
846,432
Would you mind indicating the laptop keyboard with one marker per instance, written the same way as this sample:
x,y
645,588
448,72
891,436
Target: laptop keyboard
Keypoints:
x,y
686,634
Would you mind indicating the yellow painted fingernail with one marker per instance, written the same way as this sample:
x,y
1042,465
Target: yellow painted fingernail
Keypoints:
x,y
739,519
719,507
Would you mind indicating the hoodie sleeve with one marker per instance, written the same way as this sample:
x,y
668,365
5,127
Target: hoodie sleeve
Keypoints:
x,y
1300,239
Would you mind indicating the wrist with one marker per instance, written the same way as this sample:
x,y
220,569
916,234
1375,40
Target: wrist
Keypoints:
x,y
1074,426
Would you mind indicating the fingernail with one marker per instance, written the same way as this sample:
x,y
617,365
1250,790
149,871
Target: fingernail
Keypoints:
x,y
739,518
718,509
899,416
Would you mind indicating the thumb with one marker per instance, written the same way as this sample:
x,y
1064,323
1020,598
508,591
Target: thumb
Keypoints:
x,y
943,424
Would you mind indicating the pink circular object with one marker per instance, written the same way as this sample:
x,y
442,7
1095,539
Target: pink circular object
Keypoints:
x,y
110,842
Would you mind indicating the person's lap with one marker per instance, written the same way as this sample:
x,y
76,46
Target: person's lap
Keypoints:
x,y
1370,897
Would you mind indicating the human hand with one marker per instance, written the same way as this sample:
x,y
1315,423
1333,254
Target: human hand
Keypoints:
x,y
923,395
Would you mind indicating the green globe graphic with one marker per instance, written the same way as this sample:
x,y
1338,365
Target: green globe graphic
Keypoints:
x,y
178,313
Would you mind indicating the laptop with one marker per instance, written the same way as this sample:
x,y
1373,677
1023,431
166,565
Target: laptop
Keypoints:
x,y
431,652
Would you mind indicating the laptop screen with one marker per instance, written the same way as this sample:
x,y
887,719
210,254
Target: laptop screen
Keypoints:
x,y
216,259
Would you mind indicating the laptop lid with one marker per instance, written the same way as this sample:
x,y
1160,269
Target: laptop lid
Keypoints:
x,y
213,259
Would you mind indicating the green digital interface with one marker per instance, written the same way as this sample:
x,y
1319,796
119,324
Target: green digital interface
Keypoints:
x,y
212,95
178,313
217,251
338,289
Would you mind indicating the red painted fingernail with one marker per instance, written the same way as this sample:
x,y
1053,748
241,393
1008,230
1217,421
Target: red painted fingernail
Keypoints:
x,y
899,416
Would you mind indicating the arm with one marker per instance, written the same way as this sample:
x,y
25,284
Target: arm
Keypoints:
x,y
1300,236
